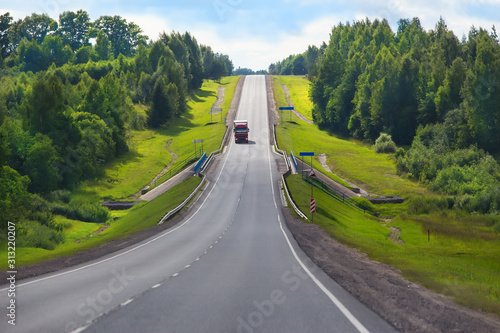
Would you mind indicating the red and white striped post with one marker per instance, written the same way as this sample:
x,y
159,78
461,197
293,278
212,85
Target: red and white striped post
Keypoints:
x,y
313,208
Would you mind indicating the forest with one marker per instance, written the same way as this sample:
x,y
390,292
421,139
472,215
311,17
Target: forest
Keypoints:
x,y
71,90
432,94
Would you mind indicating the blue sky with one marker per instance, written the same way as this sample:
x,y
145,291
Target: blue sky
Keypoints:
x,y
256,33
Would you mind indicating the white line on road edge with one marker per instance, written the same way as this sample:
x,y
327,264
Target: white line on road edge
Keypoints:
x,y
134,248
354,321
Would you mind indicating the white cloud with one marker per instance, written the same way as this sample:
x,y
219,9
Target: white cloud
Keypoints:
x,y
256,34
152,25
258,53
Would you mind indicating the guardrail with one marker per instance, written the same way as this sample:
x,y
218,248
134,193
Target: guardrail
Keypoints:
x,y
182,204
333,192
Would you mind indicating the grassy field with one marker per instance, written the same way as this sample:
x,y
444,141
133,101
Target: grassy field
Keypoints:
x,y
148,153
296,85
460,259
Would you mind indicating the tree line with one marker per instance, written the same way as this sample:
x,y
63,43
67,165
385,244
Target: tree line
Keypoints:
x,y
428,89
66,105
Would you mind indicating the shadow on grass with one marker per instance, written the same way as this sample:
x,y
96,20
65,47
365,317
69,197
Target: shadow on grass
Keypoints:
x,y
201,94
332,219
176,128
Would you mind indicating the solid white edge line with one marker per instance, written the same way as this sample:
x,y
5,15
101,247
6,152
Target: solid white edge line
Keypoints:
x,y
354,321
134,248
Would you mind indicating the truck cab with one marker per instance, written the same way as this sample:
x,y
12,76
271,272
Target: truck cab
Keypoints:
x,y
241,130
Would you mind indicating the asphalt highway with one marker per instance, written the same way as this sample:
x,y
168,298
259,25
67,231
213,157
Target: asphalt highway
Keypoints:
x,y
230,266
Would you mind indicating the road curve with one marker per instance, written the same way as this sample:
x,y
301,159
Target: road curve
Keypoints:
x,y
230,266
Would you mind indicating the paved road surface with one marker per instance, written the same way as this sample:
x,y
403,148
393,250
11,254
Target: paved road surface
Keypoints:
x,y
230,266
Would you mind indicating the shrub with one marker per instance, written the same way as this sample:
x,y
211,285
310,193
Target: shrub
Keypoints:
x,y
32,234
497,227
82,210
419,205
60,195
486,201
384,144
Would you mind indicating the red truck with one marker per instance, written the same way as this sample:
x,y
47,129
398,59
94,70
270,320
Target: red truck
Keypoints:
x,y
241,130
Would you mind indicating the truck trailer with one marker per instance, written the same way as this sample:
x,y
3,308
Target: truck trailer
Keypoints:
x,y
241,130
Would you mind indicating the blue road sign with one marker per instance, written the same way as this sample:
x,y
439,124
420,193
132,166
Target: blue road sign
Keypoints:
x,y
306,154
286,108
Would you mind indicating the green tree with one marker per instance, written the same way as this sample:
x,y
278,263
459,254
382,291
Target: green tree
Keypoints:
x,y
33,28
32,57
14,196
124,36
39,165
103,46
481,99
55,51
159,111
158,50
84,54
299,65
5,22
97,145
195,61
45,104
74,28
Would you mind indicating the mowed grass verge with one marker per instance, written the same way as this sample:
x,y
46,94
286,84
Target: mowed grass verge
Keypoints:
x,y
297,85
460,262
80,236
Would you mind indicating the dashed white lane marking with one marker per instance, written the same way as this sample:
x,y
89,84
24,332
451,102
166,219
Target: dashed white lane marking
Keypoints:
x,y
175,274
127,302
80,329
156,286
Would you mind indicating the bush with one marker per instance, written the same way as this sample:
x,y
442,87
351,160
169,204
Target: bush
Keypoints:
x,y
137,119
384,144
497,227
60,195
486,201
82,211
32,234
419,205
